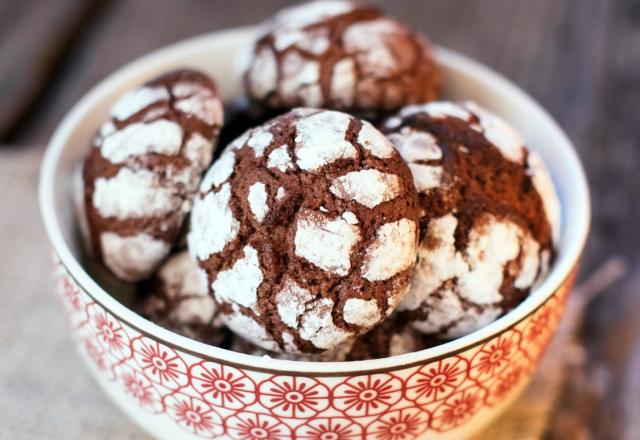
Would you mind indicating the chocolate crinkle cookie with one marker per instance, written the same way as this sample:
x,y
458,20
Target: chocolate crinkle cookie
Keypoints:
x,y
177,298
307,228
340,55
488,221
144,168
391,338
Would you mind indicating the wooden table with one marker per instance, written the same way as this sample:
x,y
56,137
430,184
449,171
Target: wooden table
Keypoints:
x,y
579,58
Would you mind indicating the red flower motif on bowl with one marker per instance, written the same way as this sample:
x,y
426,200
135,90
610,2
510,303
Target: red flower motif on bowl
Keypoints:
x,y
194,415
161,364
254,426
367,395
404,424
333,428
222,386
291,396
438,380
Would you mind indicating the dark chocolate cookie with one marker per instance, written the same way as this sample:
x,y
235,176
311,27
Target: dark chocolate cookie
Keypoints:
x,y
489,212
307,228
144,168
340,55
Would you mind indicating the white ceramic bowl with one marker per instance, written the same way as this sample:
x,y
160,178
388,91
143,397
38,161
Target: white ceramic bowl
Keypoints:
x,y
175,387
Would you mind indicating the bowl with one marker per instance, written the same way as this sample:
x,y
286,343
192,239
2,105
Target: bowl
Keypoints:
x,y
175,387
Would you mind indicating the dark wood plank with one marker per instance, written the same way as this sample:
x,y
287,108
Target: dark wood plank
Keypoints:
x,y
127,30
33,36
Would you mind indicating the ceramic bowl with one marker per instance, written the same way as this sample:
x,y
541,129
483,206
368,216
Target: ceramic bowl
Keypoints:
x,y
175,387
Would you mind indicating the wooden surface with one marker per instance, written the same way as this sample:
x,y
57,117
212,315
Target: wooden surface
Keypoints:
x,y
579,58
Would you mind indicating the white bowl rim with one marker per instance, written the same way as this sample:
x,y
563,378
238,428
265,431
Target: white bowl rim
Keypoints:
x,y
559,274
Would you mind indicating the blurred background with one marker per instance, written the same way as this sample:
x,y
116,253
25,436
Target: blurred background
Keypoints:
x,y
579,58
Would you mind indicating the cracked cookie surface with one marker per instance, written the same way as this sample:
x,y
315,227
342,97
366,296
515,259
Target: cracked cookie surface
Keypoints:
x,y
307,228
489,215
343,56
144,168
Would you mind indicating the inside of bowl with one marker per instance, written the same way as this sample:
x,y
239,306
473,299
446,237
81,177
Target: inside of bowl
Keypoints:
x,y
464,80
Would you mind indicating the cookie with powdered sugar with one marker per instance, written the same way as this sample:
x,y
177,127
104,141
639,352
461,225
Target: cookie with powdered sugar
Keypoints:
x,y
177,298
392,337
144,168
307,228
489,215
339,55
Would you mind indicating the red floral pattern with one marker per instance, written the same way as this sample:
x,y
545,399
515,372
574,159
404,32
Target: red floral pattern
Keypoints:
x,y
161,364
437,380
194,415
254,426
296,397
367,395
404,424
458,408
334,428
211,400
223,386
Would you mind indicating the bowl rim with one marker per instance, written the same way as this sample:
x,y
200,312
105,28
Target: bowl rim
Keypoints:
x,y
561,272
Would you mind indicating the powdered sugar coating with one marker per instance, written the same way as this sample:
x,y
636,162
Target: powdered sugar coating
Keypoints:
x,y
494,128
301,16
161,137
239,284
199,101
301,203
300,80
219,172
361,312
263,74
259,140
487,239
367,187
133,194
477,272
374,141
499,133
368,40
207,238
350,218
147,162
343,81
326,242
414,145
280,159
247,327
134,257
292,302
258,200
426,177
137,99
320,140
317,326
392,252
180,298
198,150
339,55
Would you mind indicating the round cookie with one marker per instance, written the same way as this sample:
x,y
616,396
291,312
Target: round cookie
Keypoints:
x,y
177,298
340,55
488,221
307,228
391,338
144,168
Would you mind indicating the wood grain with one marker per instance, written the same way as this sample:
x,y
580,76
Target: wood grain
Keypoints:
x,y
33,40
